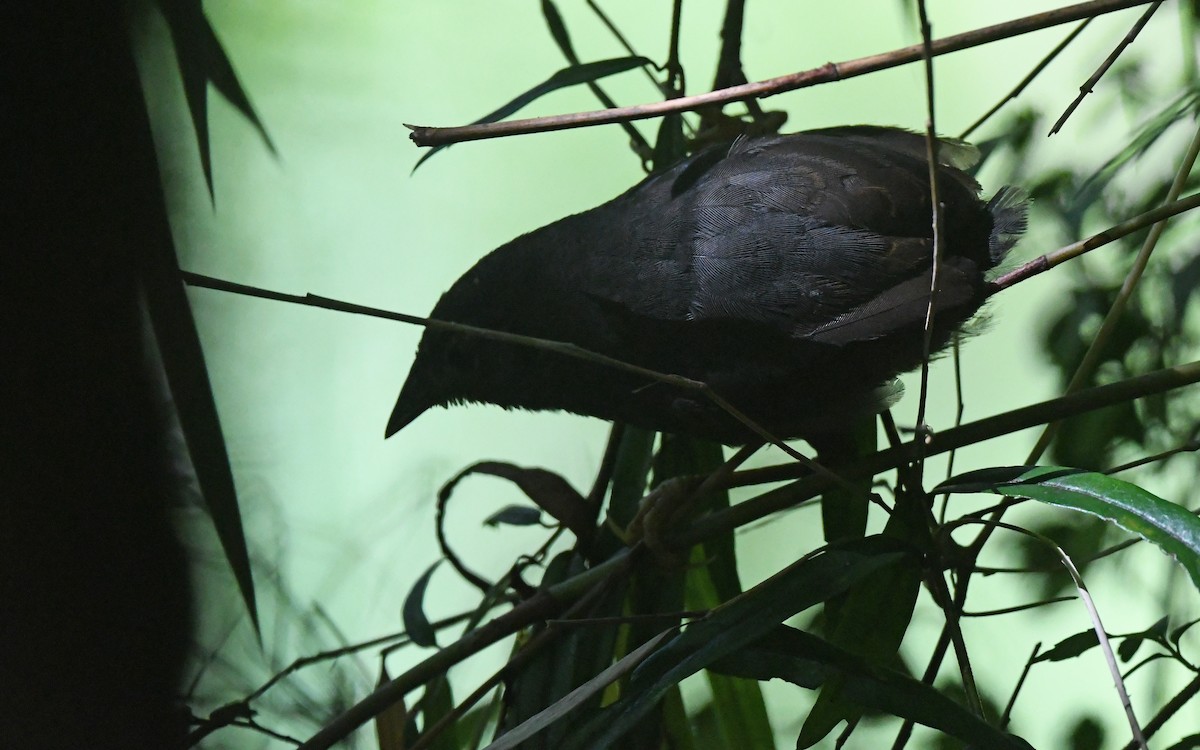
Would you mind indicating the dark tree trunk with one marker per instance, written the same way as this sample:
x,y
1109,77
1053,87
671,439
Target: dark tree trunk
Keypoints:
x,y
94,600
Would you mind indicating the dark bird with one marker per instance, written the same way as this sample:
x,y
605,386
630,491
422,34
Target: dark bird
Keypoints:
x,y
790,273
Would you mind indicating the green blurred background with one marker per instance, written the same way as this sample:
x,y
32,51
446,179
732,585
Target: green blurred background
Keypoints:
x,y
339,521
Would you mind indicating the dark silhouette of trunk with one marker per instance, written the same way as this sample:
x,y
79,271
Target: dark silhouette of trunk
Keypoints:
x,y
94,597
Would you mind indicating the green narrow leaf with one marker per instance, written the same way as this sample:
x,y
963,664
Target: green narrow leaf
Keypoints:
x,y
1174,529
202,60
808,661
577,697
734,625
391,722
871,624
1178,632
844,507
679,732
570,76
416,624
737,704
178,344
558,30
435,703
1190,742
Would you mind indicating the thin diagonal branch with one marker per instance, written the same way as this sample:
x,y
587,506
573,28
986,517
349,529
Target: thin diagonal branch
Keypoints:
x,y
1037,70
435,136
1090,83
559,347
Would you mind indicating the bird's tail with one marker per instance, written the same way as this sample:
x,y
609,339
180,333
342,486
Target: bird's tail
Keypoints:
x,y
1008,207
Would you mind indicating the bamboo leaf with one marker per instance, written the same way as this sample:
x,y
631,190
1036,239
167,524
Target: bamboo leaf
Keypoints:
x,y
572,75
1174,529
808,661
416,624
733,626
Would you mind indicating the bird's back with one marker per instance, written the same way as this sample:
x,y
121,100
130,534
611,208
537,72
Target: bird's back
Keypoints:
x,y
773,270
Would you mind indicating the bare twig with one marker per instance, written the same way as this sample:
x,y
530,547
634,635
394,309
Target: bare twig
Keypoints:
x,y
1037,70
931,152
1012,699
544,604
1018,608
973,432
1093,614
1191,690
1090,83
638,143
434,136
559,347
1112,234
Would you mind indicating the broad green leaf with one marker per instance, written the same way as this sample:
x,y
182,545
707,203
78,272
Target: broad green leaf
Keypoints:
x,y
735,624
416,624
1174,529
572,75
808,661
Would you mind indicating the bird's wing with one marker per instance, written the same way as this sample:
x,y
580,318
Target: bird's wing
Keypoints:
x,y
794,233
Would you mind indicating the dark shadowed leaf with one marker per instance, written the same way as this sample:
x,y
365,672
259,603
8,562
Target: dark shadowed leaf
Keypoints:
x,y
569,76
202,60
1131,643
390,723
1172,528
514,515
738,708
435,703
808,661
1087,734
870,624
1178,632
416,624
844,506
558,30
1070,647
578,696
734,625
548,490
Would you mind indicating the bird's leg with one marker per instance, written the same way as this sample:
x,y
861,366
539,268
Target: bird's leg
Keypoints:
x,y
661,510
